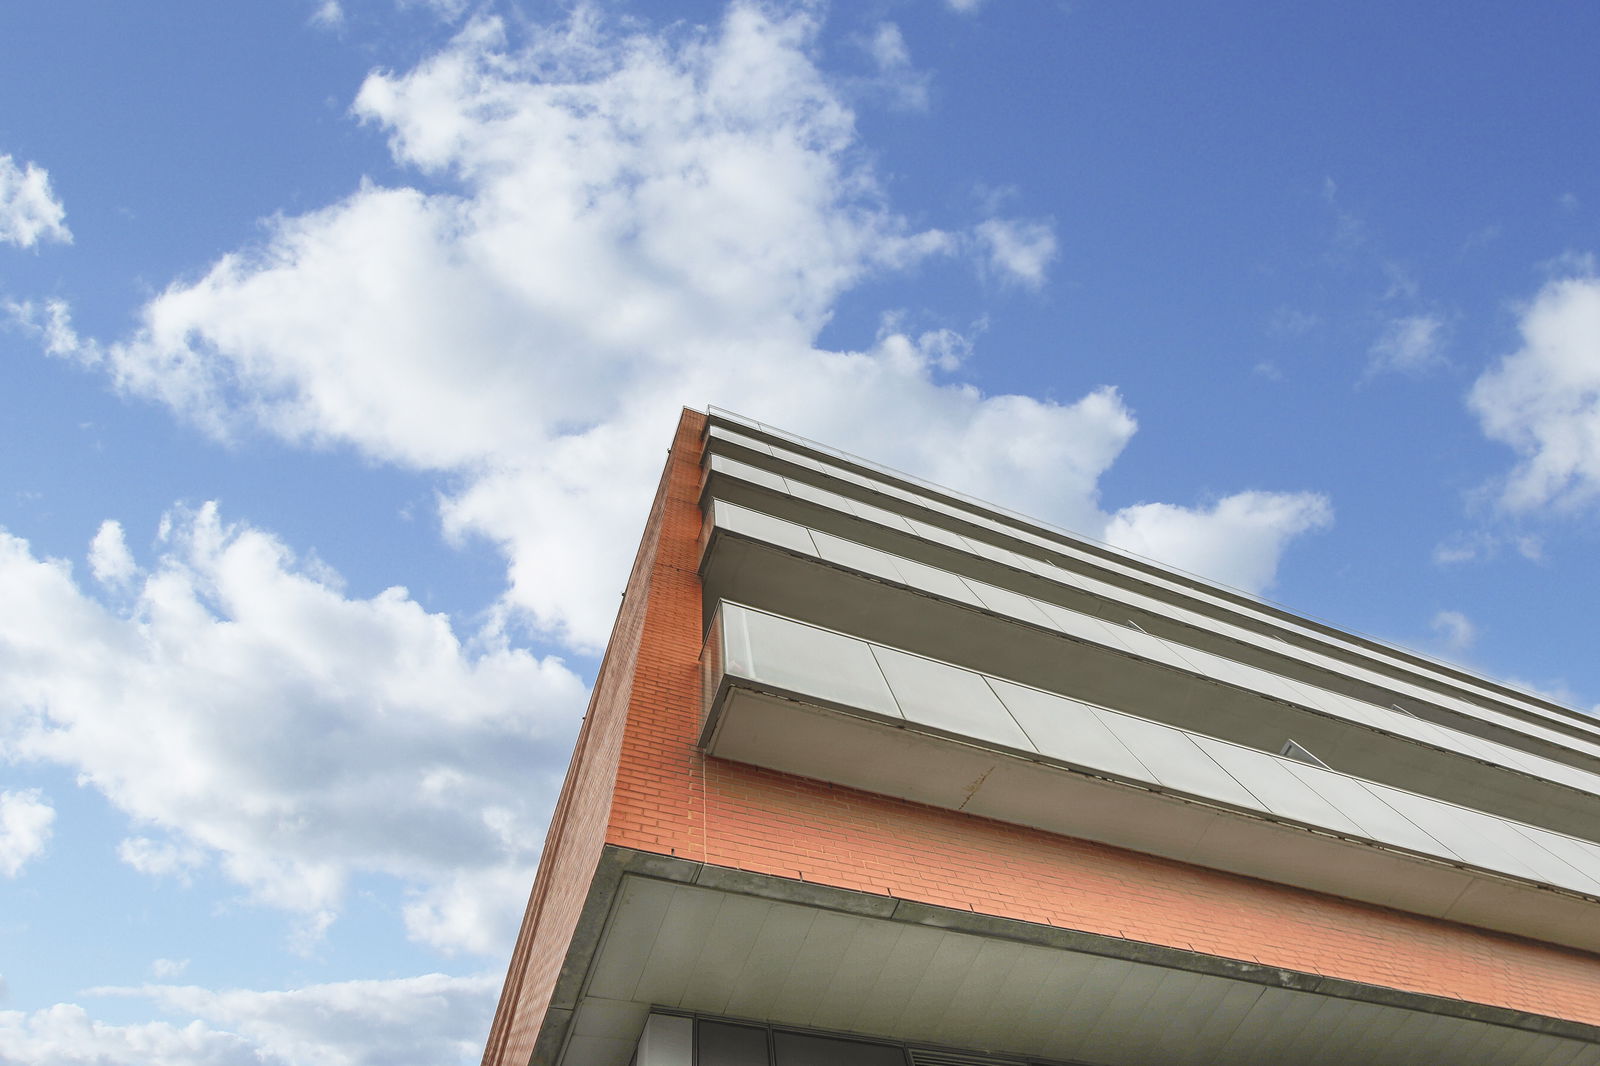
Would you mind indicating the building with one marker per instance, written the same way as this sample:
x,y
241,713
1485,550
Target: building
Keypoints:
x,y
876,773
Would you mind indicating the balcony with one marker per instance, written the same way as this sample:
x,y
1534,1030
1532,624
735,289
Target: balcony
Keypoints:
x,y
818,703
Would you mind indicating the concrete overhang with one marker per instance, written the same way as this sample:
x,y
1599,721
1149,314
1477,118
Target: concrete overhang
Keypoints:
x,y
666,933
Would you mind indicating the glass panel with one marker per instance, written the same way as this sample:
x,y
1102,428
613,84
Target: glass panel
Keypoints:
x,y
996,553
746,472
1176,761
815,662
802,1049
1280,791
1065,729
879,515
812,494
763,527
1148,647
739,438
1479,839
937,534
939,582
721,1044
1378,820
949,698
1083,626
1010,604
1049,571
1239,675
711,664
737,659
857,556
1582,856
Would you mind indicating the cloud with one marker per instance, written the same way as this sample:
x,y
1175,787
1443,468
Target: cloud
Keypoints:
x,y
329,15
1236,541
1292,322
411,1021
906,86
1455,630
168,967
65,1035
617,225
26,819
1017,250
1543,400
965,7
109,558
246,712
613,226
1411,344
29,210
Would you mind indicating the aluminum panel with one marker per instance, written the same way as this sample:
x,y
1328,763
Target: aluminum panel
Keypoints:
x,y
949,698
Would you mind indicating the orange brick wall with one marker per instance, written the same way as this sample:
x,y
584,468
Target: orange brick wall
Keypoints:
x,y
577,828
672,800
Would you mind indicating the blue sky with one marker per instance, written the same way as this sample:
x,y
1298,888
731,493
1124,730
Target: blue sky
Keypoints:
x,y
342,341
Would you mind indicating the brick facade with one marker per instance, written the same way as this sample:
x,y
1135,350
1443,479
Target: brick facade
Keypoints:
x,y
671,799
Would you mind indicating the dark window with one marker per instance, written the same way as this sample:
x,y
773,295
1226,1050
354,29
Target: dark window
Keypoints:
x,y
721,1044
798,1049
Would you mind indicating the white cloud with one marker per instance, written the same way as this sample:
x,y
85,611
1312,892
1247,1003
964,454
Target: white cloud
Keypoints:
x,y
161,858
29,210
1544,399
1018,250
965,7
1236,541
329,15
1455,630
1412,344
633,224
25,823
51,322
431,1019
246,711
168,967
65,1035
906,86
109,558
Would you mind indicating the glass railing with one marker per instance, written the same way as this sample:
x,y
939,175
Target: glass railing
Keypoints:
x,y
759,650
1567,718
1123,640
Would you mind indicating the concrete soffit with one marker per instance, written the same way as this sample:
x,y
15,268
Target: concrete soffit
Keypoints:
x,y
617,863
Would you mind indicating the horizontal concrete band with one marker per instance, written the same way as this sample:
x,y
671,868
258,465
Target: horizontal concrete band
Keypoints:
x,y
617,862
